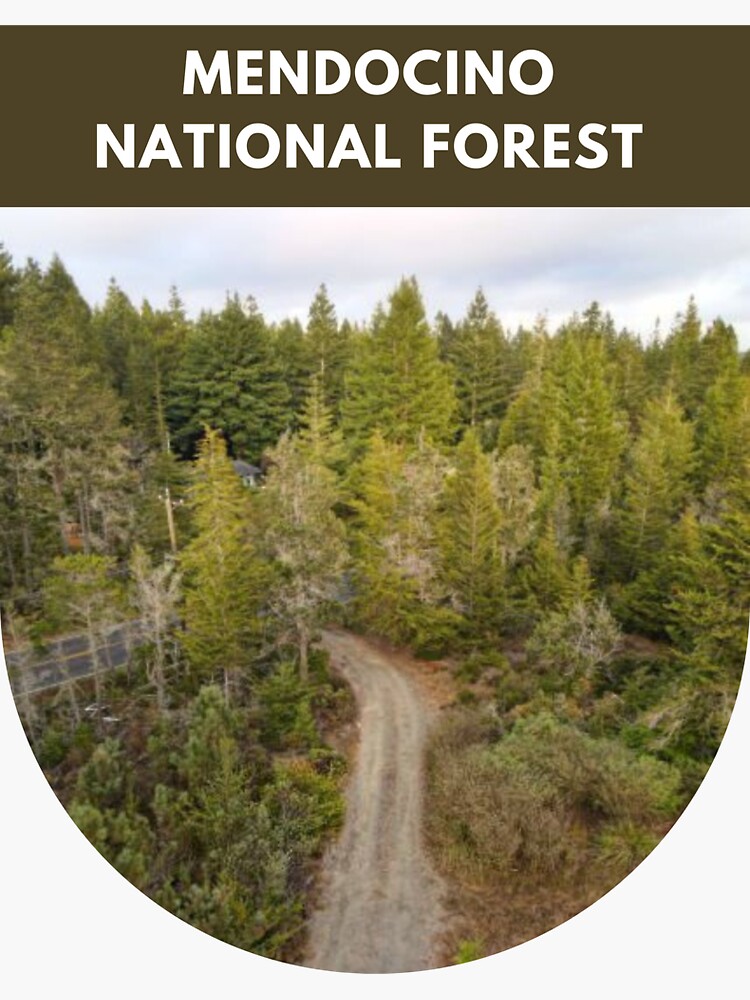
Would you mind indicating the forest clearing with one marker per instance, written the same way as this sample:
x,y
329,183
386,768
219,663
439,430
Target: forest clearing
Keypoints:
x,y
439,624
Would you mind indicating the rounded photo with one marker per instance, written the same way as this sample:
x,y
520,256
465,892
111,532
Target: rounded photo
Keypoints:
x,y
384,624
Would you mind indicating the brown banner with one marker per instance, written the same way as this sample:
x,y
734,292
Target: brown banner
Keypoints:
x,y
684,88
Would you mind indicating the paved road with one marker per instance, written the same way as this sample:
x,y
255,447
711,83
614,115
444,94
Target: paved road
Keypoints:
x,y
381,909
69,659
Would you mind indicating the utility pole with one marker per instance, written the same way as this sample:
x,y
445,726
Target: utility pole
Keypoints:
x,y
170,520
167,492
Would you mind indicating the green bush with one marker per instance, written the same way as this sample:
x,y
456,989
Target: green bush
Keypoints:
x,y
284,714
624,845
533,800
103,780
52,747
303,806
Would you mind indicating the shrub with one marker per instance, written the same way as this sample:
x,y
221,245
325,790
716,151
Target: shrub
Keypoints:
x,y
284,714
103,780
534,800
575,642
624,845
52,747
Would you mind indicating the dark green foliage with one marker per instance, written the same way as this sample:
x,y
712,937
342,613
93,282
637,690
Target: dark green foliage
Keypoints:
x,y
229,379
208,826
328,346
479,353
224,580
469,535
284,714
9,278
292,355
397,384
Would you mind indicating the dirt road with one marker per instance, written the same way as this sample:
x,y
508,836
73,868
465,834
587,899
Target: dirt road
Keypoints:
x,y
380,910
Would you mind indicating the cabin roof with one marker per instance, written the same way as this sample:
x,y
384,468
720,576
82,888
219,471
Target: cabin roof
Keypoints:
x,y
246,470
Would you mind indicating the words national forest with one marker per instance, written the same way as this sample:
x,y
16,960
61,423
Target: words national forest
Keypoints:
x,y
371,647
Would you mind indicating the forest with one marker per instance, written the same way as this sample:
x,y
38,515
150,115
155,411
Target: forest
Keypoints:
x,y
559,520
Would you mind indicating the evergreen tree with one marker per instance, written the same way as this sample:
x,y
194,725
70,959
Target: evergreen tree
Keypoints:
x,y
592,431
230,380
394,543
397,384
514,487
723,427
65,444
224,581
683,356
321,443
719,351
305,540
328,347
291,354
533,416
657,484
479,355
303,535
470,537
9,278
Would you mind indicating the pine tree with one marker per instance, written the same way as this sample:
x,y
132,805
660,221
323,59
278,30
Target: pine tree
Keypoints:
x,y
723,428
230,380
478,353
302,534
719,351
328,347
683,356
534,414
291,354
65,442
224,581
470,537
395,548
9,278
592,431
397,384
657,483
320,442
630,377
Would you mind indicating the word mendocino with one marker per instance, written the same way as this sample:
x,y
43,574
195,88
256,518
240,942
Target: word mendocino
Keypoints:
x,y
325,73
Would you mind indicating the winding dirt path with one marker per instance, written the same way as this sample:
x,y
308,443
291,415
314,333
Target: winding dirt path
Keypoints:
x,y
380,909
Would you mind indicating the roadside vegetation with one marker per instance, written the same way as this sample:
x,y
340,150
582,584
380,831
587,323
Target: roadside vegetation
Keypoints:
x,y
562,516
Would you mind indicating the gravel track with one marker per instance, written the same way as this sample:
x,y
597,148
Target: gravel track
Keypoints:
x,y
381,902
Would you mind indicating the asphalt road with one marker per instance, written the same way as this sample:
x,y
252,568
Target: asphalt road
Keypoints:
x,y
69,659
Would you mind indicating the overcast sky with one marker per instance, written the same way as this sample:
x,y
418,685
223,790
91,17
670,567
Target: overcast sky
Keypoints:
x,y
641,265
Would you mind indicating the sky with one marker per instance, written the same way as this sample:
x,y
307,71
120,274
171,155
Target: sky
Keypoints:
x,y
639,264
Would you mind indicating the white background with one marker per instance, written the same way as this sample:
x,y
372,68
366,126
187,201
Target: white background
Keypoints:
x,y
677,927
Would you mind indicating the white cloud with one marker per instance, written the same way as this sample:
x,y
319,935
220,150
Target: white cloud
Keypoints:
x,y
640,264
